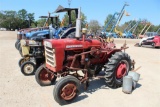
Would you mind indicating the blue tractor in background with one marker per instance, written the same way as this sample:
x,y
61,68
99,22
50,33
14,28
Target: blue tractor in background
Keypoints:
x,y
129,33
32,48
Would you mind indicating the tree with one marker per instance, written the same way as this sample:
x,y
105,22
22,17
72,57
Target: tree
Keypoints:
x,y
73,19
94,26
40,22
25,19
30,18
108,18
8,19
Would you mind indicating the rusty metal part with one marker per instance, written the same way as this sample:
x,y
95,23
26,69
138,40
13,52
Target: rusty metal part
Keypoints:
x,y
75,56
133,64
45,75
69,91
124,47
82,59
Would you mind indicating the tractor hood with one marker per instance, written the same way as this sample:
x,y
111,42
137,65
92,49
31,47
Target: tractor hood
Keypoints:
x,y
70,44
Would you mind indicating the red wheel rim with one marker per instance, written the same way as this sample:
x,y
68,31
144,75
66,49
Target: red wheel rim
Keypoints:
x,y
68,92
121,69
46,76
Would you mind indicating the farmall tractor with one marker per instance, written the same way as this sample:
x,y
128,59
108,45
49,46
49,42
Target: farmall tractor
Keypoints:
x,y
33,48
76,60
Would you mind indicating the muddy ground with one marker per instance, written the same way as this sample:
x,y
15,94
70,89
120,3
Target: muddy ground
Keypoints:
x,y
17,90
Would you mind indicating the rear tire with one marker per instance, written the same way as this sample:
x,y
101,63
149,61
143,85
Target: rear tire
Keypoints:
x,y
28,68
16,43
43,77
117,67
66,90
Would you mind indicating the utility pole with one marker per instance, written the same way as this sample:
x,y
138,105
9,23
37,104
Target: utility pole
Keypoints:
x,y
69,3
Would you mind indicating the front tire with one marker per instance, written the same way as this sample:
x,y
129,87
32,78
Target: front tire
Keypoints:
x,y
66,90
43,77
28,68
117,67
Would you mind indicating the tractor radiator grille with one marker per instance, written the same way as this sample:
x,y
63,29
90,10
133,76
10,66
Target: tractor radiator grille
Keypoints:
x,y
50,56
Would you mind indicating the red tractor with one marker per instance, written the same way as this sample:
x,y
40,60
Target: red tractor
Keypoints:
x,y
76,60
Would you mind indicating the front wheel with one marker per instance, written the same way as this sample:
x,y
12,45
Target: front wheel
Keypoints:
x,y
117,67
44,77
66,90
28,68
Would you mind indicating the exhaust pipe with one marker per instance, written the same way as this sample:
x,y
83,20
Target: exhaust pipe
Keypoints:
x,y
78,24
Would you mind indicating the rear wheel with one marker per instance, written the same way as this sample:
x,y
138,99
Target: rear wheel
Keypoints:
x,y
43,77
117,67
28,68
66,90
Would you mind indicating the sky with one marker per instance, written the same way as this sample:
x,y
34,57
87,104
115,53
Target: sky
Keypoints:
x,y
93,9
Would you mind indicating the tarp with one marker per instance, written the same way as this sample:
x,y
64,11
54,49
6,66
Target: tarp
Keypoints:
x,y
62,9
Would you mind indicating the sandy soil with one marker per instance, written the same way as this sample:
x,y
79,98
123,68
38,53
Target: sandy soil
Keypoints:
x,y
17,90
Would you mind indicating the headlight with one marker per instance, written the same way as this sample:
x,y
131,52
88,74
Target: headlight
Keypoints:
x,y
47,44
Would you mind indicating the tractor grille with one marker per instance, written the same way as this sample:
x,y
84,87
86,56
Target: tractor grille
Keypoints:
x,y
50,56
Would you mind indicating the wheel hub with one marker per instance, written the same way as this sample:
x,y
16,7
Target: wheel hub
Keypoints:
x,y
121,70
45,76
68,92
28,68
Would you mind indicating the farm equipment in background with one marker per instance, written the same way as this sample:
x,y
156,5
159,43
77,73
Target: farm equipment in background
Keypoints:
x,y
158,30
117,16
114,27
129,33
153,41
145,29
33,49
107,25
68,58
28,33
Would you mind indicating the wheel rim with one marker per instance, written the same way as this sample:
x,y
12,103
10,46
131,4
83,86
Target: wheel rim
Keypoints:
x,y
28,68
46,76
122,69
68,92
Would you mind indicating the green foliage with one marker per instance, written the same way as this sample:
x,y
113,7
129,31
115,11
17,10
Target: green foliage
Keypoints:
x,y
73,19
15,20
94,26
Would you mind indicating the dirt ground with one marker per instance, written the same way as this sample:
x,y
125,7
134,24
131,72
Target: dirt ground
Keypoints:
x,y
17,90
